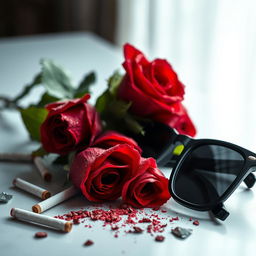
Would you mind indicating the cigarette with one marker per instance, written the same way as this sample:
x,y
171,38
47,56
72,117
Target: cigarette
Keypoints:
x,y
15,157
31,188
44,172
48,221
54,200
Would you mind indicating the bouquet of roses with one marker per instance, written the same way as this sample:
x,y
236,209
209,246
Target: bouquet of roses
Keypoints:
x,y
103,161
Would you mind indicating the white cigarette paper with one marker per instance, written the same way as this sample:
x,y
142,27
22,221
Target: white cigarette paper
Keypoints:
x,y
15,157
27,216
54,200
31,188
44,172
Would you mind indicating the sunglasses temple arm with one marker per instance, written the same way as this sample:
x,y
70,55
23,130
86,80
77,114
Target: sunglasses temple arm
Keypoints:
x,y
218,211
168,157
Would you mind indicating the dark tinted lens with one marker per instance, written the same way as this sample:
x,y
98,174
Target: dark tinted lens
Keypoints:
x,y
207,173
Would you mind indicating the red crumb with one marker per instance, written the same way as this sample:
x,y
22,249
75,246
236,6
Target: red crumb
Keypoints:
x,y
163,211
155,208
76,221
159,238
41,234
174,218
145,220
190,219
137,230
115,227
116,235
88,243
196,222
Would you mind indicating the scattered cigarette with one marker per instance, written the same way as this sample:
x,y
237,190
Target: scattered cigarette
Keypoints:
x,y
27,216
54,200
38,161
16,157
31,188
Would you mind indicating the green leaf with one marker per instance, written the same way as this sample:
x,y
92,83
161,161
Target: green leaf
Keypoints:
x,y
133,125
84,86
26,90
39,152
33,117
46,99
63,160
118,108
102,102
56,80
114,82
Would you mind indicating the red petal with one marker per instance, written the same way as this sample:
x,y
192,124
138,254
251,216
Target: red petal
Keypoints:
x,y
112,138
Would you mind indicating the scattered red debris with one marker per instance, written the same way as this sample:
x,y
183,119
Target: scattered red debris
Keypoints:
x,y
137,230
190,219
174,218
125,215
88,243
76,221
41,234
114,227
159,238
145,220
196,223
155,208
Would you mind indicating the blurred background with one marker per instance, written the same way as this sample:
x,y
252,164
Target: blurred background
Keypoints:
x,y
210,43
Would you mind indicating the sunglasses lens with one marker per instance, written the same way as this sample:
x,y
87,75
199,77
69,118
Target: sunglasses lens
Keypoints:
x,y
206,174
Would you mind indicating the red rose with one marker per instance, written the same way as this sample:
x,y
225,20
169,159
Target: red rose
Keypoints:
x,y
70,125
112,138
102,173
153,88
149,188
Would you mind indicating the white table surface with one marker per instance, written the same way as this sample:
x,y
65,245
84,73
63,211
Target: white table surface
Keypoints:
x,y
80,53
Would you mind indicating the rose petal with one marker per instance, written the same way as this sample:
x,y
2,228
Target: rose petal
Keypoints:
x,y
112,138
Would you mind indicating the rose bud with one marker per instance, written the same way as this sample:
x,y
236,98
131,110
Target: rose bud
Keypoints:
x,y
149,188
153,87
102,173
111,138
70,125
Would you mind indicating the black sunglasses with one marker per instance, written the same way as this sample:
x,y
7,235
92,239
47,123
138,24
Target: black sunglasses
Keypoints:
x,y
205,172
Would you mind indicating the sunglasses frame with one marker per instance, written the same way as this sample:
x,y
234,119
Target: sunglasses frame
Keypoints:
x,y
244,175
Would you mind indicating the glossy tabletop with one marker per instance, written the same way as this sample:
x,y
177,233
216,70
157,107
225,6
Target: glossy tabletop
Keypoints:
x,y
80,53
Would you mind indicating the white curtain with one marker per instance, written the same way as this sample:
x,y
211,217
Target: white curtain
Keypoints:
x,y
212,46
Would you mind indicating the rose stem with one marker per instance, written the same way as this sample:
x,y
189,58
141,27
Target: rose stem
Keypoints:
x,y
15,157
